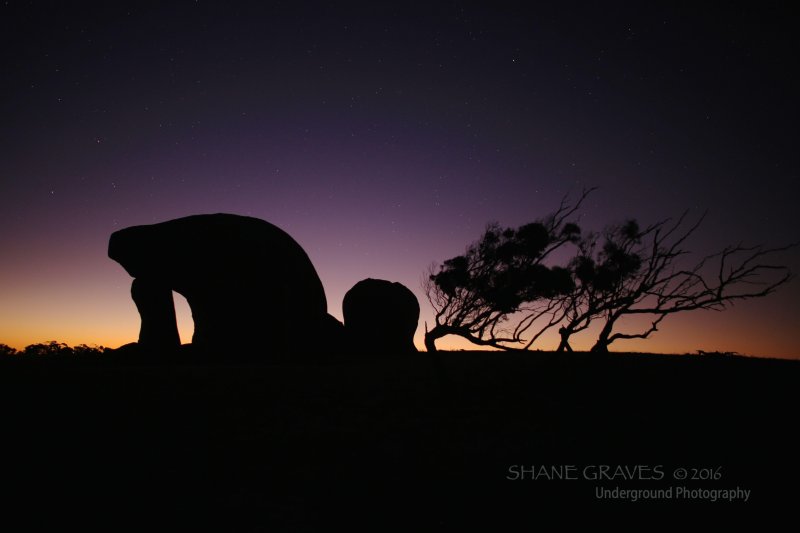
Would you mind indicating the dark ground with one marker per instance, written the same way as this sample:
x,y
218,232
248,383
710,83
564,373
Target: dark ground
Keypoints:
x,y
390,441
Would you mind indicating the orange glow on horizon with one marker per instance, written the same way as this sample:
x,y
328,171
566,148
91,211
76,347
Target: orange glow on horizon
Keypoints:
x,y
74,308
683,334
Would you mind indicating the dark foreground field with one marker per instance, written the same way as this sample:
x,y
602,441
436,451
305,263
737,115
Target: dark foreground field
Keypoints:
x,y
410,440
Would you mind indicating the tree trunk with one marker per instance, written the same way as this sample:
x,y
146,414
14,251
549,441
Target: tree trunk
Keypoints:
x,y
437,332
601,346
564,345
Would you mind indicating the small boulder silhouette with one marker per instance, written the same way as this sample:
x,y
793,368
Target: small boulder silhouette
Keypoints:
x,y
247,282
381,316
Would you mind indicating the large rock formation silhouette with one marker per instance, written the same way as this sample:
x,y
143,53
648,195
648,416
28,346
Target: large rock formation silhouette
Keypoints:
x,y
248,283
381,316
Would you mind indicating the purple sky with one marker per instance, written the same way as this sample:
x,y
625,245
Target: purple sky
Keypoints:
x,y
384,139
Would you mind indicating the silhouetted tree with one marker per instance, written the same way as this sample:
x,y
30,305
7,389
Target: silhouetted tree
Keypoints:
x,y
48,348
632,271
599,276
83,349
503,275
7,350
54,348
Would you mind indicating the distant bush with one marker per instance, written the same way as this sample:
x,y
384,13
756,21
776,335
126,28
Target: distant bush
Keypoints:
x,y
83,349
47,348
51,349
5,349
717,353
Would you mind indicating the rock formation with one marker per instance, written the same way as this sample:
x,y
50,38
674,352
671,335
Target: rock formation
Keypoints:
x,y
248,283
381,317
156,307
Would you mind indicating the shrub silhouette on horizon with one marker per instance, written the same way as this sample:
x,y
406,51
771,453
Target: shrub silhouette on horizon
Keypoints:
x,y
53,349
49,348
5,349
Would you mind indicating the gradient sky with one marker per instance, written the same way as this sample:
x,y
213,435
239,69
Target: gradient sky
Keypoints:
x,y
383,138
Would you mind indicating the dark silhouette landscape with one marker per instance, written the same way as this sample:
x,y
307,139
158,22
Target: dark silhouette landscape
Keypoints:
x,y
388,439
251,427
282,220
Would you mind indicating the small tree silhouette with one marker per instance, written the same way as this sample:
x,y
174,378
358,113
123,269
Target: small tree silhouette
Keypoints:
x,y
7,350
55,348
49,348
83,349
